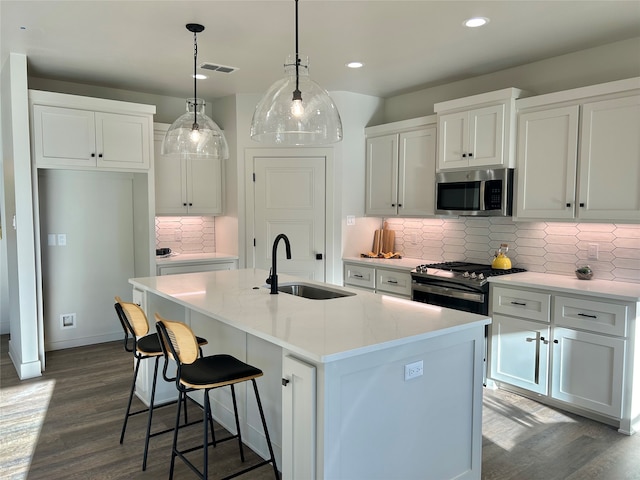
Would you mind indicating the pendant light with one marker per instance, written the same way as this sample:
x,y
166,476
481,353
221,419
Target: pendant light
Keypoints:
x,y
193,133
296,110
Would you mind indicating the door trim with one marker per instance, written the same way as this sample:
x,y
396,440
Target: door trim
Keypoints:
x,y
332,245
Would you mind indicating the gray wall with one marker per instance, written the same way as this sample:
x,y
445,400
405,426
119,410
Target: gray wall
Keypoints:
x,y
606,63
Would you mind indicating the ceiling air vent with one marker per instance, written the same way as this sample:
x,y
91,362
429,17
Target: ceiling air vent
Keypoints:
x,y
217,68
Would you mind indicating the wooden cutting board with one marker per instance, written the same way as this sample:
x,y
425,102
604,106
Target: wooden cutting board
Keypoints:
x,y
377,242
388,239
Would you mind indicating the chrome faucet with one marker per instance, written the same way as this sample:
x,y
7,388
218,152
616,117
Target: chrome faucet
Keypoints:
x,y
273,275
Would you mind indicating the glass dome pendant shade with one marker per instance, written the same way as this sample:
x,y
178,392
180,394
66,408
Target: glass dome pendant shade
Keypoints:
x,y
296,110
193,133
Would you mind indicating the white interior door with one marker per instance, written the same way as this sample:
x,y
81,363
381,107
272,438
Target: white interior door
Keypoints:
x,y
289,197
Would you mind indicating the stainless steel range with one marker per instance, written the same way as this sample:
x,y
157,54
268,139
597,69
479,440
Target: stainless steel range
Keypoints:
x,y
458,285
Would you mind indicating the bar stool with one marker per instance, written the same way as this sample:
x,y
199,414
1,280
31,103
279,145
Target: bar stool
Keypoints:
x,y
145,345
197,372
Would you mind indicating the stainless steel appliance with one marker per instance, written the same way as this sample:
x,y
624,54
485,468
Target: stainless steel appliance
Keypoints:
x,y
458,285
475,192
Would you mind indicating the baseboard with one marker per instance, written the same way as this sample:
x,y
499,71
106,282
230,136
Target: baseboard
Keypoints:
x,y
24,370
80,342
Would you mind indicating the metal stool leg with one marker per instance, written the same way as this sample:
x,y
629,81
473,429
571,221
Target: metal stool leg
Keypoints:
x,y
235,410
133,387
266,431
174,445
153,397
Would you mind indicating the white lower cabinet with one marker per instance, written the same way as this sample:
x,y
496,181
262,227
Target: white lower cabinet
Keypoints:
x,y
520,352
298,419
389,281
575,351
588,370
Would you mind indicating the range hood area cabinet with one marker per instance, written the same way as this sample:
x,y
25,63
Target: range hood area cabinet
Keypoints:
x,y
578,156
77,132
400,168
477,131
185,186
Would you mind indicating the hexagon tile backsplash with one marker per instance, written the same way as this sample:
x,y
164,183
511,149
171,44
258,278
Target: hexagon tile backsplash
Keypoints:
x,y
186,234
557,248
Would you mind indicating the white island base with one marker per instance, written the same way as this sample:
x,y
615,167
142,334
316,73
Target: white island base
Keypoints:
x,y
334,390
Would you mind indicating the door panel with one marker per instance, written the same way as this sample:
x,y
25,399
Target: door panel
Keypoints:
x,y
289,198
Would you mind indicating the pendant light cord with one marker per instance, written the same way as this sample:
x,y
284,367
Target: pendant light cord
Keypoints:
x,y
297,95
195,81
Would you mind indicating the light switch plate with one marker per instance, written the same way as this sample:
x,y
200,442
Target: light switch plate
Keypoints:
x,y
62,239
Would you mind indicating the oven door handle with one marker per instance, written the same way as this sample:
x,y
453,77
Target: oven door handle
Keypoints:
x,y
449,292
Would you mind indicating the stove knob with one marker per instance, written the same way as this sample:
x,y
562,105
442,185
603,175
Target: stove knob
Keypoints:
x,y
480,276
473,275
466,275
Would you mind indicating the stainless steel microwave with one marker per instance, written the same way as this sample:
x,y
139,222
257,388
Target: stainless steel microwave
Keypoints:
x,y
475,193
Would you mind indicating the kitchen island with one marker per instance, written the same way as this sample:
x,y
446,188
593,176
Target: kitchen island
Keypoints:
x,y
360,387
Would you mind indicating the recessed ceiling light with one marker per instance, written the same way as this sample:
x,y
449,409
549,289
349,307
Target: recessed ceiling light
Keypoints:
x,y
475,22
199,76
355,64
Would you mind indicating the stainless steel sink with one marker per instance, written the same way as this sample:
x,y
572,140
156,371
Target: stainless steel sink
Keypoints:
x,y
313,292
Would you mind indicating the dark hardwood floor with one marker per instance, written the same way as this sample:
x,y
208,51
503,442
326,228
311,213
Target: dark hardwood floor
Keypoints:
x,y
66,425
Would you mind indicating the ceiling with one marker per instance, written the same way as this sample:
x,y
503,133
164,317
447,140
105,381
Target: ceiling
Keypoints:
x,y
405,45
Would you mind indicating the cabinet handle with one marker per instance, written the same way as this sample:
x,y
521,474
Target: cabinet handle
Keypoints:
x,y
582,205
285,382
587,315
93,155
520,304
568,204
546,342
537,371
471,154
393,282
556,341
99,155
529,339
357,275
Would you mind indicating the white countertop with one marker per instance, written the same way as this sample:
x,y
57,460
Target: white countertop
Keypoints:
x,y
320,330
404,263
187,258
625,291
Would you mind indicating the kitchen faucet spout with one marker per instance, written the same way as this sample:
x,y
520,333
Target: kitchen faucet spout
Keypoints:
x,y
274,254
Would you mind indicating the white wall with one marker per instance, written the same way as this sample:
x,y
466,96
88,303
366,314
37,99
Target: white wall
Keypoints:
x,y
25,346
606,63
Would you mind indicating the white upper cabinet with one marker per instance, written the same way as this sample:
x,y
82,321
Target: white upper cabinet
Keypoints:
x,y
401,168
186,186
477,131
81,132
578,156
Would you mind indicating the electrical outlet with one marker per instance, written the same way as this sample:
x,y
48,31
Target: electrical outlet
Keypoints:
x,y
592,252
68,320
177,234
351,220
413,370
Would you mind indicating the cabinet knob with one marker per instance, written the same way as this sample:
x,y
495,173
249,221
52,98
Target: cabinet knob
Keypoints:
x,y
393,204
93,155
184,204
556,341
190,204
544,341
400,205
285,382
100,155
470,154
568,204
582,205
464,155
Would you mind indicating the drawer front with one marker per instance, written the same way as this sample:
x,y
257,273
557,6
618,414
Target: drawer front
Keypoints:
x,y
196,267
599,317
359,276
392,281
521,303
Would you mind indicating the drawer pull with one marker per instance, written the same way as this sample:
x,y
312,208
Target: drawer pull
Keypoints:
x,y
393,282
587,315
357,275
520,304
